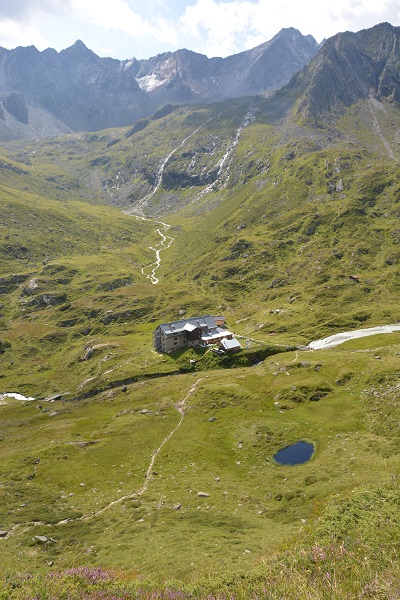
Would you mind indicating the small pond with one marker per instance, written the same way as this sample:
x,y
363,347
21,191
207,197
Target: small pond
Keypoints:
x,y
296,454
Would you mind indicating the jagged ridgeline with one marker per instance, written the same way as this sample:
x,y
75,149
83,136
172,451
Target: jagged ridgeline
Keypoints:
x,y
277,210
50,93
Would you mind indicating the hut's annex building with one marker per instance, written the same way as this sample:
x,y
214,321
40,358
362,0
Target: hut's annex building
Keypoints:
x,y
196,331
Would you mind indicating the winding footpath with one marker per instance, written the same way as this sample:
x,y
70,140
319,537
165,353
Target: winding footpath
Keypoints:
x,y
181,408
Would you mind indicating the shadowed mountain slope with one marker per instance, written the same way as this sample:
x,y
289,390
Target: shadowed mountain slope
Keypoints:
x,y
350,67
50,93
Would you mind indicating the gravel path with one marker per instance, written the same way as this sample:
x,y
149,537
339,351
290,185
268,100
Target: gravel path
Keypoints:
x,y
340,338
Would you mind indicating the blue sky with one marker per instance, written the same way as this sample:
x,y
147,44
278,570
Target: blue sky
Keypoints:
x,y
135,28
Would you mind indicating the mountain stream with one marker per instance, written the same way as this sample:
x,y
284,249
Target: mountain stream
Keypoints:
x,y
166,240
149,271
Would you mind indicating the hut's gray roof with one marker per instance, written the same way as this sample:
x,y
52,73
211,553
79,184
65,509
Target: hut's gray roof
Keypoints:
x,y
232,344
173,328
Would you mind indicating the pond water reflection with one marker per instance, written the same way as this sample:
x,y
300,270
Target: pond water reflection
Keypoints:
x,y
296,454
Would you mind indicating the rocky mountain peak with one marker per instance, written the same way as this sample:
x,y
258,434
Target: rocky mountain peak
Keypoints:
x,y
78,90
287,52
292,33
78,52
349,67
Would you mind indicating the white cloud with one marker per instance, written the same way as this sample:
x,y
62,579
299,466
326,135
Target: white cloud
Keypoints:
x,y
21,10
12,35
213,27
217,25
61,22
220,27
22,23
118,16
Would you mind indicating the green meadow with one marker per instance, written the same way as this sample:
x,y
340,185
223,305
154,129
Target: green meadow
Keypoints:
x,y
73,471
134,474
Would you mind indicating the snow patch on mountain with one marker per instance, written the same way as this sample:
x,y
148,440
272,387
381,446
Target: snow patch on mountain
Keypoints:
x,y
150,82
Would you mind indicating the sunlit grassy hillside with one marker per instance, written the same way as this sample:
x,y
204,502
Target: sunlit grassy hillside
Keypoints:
x,y
163,466
213,498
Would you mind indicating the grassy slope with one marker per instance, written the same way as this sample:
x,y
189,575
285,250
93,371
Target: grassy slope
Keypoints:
x,y
336,560
95,452
291,236
284,234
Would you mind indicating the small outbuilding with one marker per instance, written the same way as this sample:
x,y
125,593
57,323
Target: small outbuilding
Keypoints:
x,y
230,345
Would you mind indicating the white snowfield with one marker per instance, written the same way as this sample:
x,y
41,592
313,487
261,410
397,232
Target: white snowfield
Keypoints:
x,y
148,83
339,338
14,395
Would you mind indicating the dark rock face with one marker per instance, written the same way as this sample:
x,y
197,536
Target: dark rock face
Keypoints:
x,y
14,103
9,284
45,300
52,93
